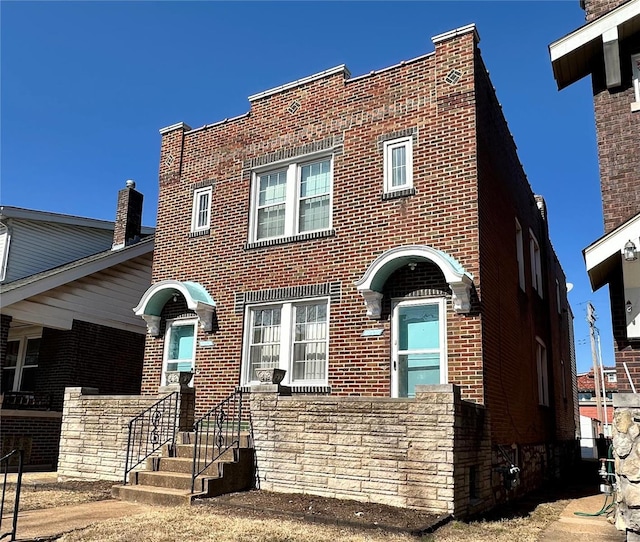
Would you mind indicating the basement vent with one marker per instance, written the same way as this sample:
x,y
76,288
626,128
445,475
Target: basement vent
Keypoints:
x,y
295,105
453,77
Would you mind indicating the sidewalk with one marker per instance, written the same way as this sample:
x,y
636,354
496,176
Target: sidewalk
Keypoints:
x,y
572,528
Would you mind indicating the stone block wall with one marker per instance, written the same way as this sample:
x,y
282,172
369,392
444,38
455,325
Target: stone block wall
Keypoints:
x,y
417,453
93,441
626,451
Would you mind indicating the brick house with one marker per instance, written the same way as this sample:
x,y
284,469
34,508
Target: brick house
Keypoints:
x,y
587,403
68,284
607,47
372,236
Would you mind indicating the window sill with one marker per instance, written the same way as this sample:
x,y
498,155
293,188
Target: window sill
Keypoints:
x,y
398,194
298,389
200,233
292,239
635,106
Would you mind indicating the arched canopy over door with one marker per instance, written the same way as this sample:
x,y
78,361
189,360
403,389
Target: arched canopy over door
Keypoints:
x,y
155,298
372,282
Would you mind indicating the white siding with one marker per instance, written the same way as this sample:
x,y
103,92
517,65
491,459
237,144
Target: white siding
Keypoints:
x,y
106,298
37,246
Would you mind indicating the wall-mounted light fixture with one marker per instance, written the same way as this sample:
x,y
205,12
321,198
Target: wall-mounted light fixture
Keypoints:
x,y
412,265
628,306
629,251
175,298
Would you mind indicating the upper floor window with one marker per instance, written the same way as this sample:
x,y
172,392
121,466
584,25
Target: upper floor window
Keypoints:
x,y
398,164
612,377
585,396
291,200
543,375
201,210
536,264
292,336
520,255
635,67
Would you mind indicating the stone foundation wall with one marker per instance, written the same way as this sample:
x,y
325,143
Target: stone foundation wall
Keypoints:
x,y
95,429
431,452
626,451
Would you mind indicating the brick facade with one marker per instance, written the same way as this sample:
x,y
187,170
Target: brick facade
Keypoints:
x,y
469,188
618,133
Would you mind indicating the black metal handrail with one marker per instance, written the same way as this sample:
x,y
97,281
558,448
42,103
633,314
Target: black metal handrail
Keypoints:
x,y
150,430
4,465
215,433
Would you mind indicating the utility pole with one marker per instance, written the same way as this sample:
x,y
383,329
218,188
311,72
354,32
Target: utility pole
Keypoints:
x,y
591,320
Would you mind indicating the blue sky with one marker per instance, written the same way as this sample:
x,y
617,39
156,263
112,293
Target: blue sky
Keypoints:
x,y
85,87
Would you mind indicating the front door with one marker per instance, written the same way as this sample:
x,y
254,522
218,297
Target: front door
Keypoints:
x,y
418,345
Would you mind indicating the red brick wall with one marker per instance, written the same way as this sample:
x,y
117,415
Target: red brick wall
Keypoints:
x,y
38,436
618,132
513,318
443,213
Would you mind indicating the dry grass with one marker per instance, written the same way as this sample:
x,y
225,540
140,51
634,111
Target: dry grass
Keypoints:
x,y
36,496
518,529
199,525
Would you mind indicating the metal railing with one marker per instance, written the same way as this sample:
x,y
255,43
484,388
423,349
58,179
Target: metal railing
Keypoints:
x,y
217,432
150,430
26,400
5,461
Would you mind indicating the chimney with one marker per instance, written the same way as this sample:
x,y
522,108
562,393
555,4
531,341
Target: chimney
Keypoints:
x,y
128,217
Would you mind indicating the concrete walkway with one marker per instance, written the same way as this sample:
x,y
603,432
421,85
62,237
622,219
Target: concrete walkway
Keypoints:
x,y
572,528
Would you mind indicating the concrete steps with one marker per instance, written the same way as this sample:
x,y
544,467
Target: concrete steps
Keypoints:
x,y
166,479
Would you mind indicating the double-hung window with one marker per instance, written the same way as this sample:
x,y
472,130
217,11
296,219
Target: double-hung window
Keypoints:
x,y
292,199
398,164
543,375
520,256
21,364
635,73
201,210
536,264
291,336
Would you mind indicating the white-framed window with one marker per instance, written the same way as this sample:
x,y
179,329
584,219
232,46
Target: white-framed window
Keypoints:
x,y
543,375
398,164
612,377
5,237
293,336
201,209
20,366
635,71
536,264
520,256
179,346
292,199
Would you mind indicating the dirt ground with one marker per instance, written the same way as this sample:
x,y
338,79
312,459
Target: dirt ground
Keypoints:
x,y
330,511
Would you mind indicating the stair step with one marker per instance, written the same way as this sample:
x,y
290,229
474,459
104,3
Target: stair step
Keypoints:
x,y
183,465
170,480
153,495
186,450
189,438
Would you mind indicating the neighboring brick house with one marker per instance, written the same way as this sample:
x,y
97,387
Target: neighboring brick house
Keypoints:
x,y
68,285
367,234
587,402
608,49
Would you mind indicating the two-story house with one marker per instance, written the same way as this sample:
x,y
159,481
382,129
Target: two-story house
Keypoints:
x,y
67,285
369,235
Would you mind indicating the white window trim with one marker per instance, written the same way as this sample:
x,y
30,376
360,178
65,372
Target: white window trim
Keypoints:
x,y
165,352
22,336
536,264
520,257
196,210
292,198
5,239
542,372
635,71
388,146
286,340
442,315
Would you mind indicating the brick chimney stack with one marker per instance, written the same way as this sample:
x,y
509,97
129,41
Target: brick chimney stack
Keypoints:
x,y
128,217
